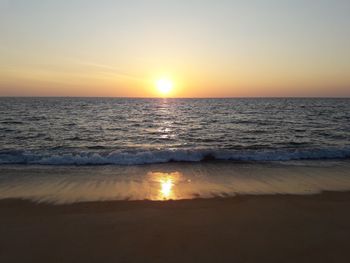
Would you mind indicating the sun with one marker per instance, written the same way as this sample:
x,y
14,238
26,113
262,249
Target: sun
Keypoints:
x,y
164,86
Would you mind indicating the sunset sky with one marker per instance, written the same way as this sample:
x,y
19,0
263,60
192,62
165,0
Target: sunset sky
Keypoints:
x,y
222,48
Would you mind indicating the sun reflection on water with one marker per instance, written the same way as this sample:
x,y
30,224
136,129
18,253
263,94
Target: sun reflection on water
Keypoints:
x,y
165,185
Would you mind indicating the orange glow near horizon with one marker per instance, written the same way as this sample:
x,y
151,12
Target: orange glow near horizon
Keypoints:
x,y
94,81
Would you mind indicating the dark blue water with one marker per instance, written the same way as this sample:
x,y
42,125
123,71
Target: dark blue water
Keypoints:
x,y
138,131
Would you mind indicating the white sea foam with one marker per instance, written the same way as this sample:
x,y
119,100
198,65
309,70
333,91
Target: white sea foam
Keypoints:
x,y
164,156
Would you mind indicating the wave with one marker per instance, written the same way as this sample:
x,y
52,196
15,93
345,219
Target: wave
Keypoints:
x,y
170,155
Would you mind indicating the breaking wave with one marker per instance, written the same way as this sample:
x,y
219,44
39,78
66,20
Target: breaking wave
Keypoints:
x,y
164,156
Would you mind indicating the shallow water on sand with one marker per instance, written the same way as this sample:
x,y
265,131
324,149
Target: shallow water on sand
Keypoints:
x,y
70,184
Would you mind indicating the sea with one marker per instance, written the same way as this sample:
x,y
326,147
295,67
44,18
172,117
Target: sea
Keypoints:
x,y
65,150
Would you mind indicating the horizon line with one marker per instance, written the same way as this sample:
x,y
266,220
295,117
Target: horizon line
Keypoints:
x,y
238,97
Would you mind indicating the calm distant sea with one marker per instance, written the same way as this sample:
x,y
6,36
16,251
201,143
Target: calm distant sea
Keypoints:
x,y
97,131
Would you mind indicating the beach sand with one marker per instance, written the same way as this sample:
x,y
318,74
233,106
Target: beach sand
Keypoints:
x,y
264,228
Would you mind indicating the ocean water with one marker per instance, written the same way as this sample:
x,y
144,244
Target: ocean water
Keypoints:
x,y
100,131
66,150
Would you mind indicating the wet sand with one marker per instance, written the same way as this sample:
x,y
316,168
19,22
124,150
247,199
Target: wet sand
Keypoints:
x,y
75,184
271,228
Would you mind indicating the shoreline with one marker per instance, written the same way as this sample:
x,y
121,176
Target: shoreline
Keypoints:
x,y
244,228
33,202
173,181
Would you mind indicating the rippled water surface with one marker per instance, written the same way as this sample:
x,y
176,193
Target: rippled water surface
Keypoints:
x,y
254,146
139,131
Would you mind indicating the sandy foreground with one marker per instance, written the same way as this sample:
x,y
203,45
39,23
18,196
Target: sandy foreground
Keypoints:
x,y
275,228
